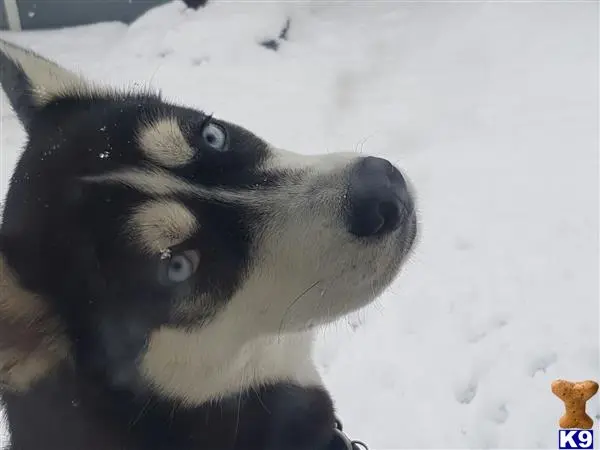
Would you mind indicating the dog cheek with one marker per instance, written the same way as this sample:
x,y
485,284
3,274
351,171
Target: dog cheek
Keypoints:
x,y
118,347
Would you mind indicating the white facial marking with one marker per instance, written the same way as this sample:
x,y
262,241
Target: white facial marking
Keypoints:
x,y
159,224
306,269
163,142
159,182
284,159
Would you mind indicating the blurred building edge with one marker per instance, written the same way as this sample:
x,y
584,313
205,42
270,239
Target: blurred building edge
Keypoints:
x,y
43,14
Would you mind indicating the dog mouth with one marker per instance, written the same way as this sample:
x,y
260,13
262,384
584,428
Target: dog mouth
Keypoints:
x,y
359,280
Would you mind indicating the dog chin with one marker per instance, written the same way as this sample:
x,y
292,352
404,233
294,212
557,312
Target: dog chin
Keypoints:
x,y
375,278
358,287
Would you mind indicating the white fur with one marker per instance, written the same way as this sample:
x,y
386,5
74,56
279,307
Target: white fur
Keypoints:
x,y
160,224
164,143
330,162
223,358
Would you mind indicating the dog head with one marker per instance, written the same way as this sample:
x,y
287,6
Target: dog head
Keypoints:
x,y
157,247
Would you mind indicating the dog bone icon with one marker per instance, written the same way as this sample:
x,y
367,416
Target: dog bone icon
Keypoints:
x,y
575,395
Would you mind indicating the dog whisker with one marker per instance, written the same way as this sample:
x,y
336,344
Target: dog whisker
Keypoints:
x,y
143,410
306,291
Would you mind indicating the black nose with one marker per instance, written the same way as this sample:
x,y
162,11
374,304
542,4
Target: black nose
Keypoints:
x,y
378,198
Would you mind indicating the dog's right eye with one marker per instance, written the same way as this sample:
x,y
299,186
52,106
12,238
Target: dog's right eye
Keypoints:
x,y
180,267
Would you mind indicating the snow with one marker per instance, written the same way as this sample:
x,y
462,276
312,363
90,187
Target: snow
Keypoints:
x,y
491,109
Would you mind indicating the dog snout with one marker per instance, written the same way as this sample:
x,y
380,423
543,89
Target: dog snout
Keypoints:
x,y
378,198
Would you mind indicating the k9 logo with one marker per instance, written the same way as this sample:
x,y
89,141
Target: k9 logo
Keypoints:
x,y
568,439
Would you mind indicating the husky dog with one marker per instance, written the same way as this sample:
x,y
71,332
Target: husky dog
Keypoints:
x,y
162,271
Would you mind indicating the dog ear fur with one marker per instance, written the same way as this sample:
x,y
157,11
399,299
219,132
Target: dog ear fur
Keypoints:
x,y
31,81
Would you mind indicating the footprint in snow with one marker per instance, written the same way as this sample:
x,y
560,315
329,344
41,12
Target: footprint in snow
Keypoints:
x,y
466,394
541,363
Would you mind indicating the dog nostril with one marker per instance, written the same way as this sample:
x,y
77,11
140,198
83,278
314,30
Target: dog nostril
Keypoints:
x,y
389,211
379,201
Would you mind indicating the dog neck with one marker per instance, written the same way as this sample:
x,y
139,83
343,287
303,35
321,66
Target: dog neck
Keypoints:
x,y
180,366
64,412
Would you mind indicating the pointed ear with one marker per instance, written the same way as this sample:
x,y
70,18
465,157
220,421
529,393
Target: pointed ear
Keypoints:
x,y
31,81
32,341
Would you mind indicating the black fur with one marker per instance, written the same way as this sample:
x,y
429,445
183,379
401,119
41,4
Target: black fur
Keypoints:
x,y
79,228
65,413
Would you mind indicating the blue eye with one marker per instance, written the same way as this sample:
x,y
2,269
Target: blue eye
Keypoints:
x,y
214,136
182,266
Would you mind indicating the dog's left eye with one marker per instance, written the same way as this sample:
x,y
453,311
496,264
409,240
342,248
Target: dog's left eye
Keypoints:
x,y
214,136
182,266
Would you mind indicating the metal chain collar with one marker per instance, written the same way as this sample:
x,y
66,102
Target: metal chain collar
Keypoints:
x,y
342,442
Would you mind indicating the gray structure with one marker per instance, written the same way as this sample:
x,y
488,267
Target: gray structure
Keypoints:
x,y
40,14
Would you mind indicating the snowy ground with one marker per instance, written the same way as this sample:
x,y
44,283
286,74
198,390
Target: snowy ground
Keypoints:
x,y
492,111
